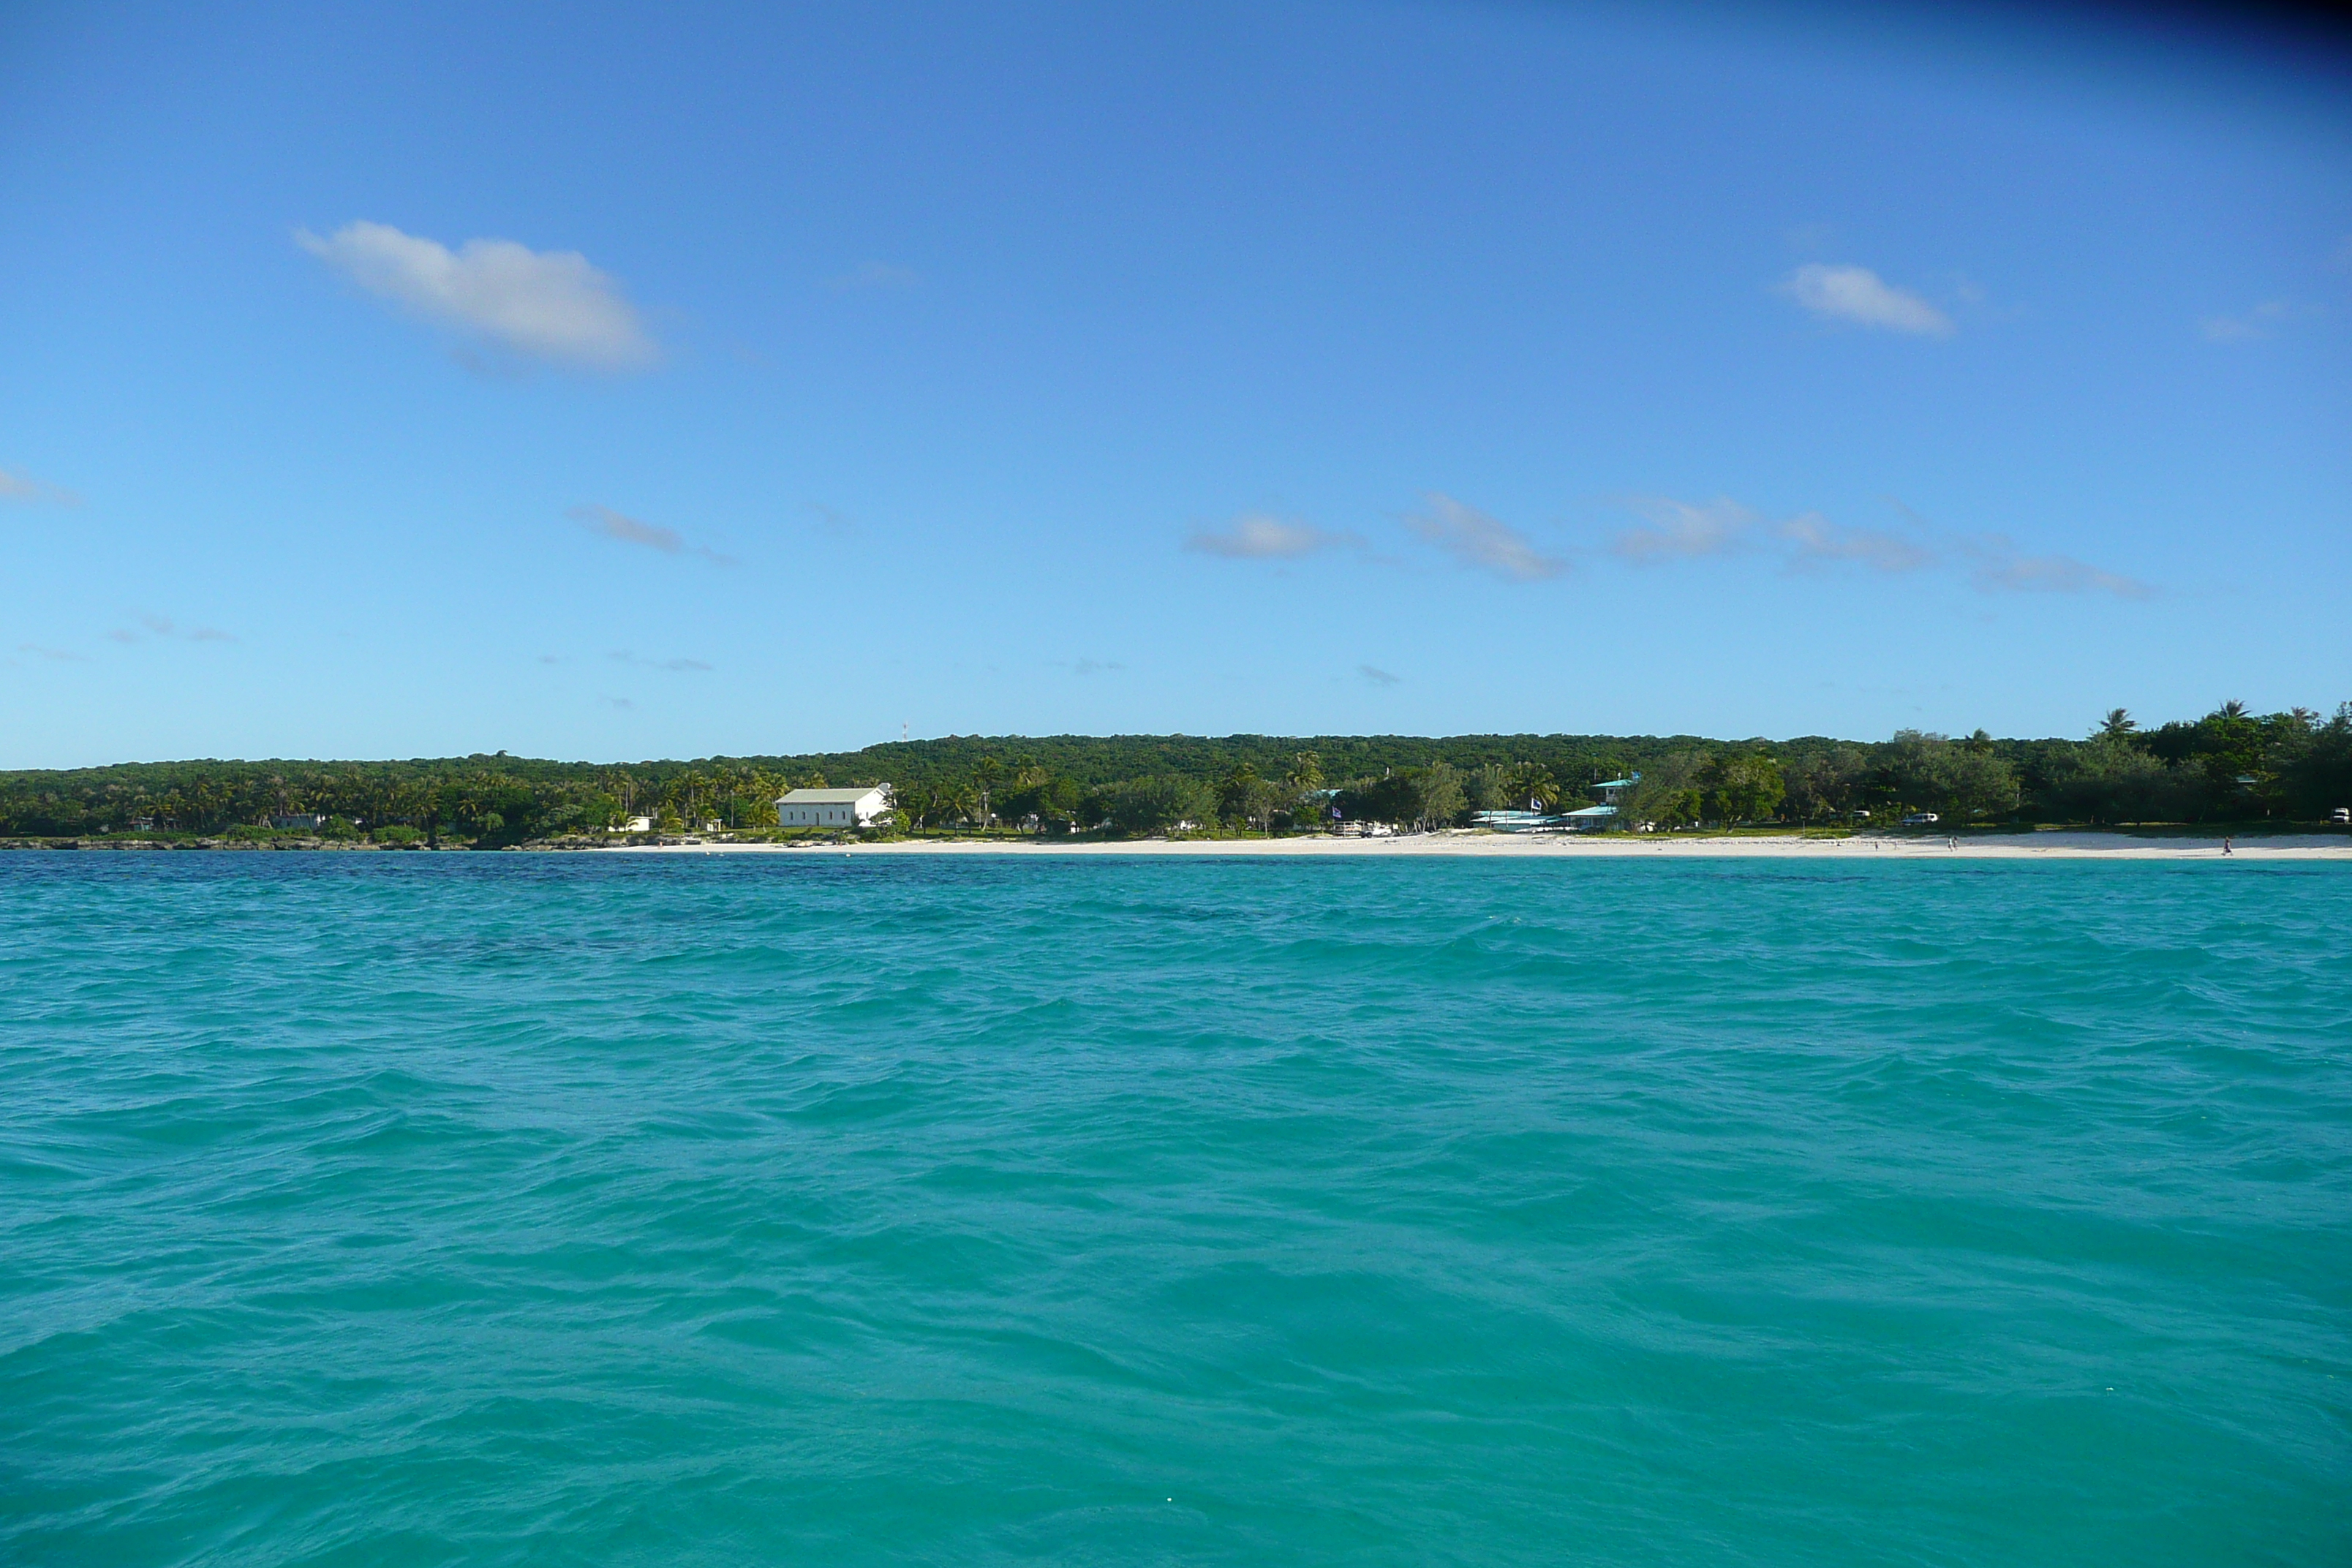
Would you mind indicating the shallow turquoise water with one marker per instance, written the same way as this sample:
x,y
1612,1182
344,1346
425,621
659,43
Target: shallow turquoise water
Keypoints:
x,y
504,1209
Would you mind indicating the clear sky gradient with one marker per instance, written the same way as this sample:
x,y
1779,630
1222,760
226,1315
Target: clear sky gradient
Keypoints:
x,y
672,381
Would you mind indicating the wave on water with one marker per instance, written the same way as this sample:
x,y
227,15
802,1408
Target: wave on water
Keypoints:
x,y
493,1210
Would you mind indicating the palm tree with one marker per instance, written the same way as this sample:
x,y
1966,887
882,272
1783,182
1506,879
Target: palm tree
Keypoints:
x,y
984,777
2117,724
1532,783
2232,709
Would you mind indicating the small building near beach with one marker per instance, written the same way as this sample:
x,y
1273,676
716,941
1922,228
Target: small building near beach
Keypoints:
x,y
832,808
1516,821
1594,818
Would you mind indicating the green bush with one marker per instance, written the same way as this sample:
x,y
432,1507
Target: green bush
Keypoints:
x,y
396,838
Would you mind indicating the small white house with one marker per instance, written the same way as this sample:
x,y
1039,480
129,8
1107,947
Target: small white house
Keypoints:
x,y
832,808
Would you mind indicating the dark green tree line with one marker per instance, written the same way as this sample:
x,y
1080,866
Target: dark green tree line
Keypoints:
x,y
2231,765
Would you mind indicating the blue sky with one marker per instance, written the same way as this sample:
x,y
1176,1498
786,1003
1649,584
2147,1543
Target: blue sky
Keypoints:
x,y
678,381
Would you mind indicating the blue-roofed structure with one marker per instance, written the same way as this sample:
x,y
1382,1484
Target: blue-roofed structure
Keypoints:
x,y
1518,821
1584,818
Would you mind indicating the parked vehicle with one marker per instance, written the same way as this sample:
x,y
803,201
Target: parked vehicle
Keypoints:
x,y
1921,820
2341,814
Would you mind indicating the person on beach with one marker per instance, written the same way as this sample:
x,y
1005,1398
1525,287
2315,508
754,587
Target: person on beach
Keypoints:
x,y
2227,841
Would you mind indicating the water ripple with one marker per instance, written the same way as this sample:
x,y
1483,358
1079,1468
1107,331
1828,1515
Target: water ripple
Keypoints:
x,y
504,1209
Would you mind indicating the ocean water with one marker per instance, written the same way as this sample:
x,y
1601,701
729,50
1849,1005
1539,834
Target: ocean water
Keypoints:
x,y
504,1209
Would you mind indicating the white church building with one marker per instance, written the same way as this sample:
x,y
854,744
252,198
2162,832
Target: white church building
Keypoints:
x,y
832,808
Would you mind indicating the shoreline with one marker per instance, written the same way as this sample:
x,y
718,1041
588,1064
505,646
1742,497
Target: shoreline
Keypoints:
x,y
2052,844
2061,845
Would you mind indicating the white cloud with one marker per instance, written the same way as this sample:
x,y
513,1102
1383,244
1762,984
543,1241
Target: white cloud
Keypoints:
x,y
603,522
547,305
31,492
1817,539
2006,572
1478,539
1681,531
1857,294
1256,536
1677,529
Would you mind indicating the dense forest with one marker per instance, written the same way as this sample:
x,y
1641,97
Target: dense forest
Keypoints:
x,y
2229,766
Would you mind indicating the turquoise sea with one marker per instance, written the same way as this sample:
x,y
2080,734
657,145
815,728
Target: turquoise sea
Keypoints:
x,y
503,1209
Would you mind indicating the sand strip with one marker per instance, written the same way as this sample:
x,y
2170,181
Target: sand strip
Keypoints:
x,y
2053,846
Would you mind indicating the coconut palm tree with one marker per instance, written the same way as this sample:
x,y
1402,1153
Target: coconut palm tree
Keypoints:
x,y
1533,783
985,776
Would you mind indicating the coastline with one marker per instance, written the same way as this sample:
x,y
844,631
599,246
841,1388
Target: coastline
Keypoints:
x,y
2052,844
2059,845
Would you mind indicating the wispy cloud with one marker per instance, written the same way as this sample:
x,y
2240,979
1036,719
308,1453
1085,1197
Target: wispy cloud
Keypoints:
x,y
1816,540
675,666
1680,531
605,523
2001,569
2247,325
163,627
875,275
1259,536
547,305
1476,539
26,491
1858,295
1095,665
1376,676
57,655
612,524
833,518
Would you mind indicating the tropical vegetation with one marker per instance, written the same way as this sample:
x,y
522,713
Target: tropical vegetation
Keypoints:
x,y
2229,766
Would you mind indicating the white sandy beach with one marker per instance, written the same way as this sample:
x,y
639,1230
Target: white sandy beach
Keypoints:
x,y
2052,846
